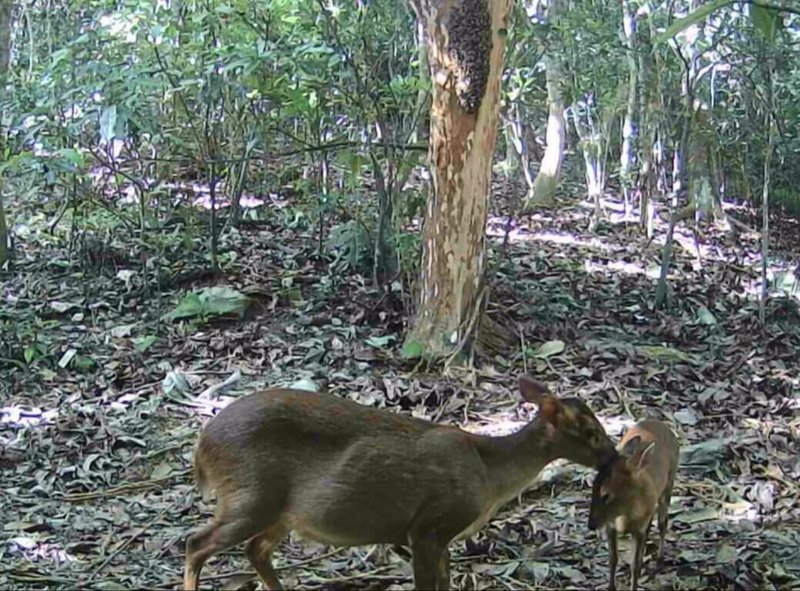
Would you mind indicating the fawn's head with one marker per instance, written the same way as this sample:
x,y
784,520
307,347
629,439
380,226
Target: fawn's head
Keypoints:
x,y
571,427
618,486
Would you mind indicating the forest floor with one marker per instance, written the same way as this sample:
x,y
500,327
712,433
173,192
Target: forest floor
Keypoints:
x,y
99,416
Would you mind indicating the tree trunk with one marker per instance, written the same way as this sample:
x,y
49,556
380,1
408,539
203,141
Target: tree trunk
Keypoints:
x,y
423,93
593,130
5,55
630,126
517,148
769,151
466,42
649,99
3,235
546,182
680,171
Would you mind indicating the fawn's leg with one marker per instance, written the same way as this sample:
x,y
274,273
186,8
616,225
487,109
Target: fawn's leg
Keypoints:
x,y
639,541
611,535
663,519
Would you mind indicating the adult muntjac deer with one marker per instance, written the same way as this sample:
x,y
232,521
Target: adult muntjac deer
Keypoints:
x,y
628,490
344,474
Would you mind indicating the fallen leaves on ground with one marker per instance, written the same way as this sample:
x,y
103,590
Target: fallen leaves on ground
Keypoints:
x,y
99,413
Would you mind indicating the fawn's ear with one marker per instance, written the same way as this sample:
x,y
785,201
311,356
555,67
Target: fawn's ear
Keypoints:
x,y
550,407
638,459
632,445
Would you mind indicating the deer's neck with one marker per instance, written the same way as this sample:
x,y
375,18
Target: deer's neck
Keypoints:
x,y
513,462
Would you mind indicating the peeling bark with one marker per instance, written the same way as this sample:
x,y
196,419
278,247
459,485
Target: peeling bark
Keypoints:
x,y
465,74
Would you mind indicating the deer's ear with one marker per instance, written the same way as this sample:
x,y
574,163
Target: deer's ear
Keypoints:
x,y
533,390
550,410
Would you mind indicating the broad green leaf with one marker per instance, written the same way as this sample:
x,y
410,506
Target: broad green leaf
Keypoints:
x,y
84,363
412,350
73,156
212,301
696,16
188,308
380,342
548,349
142,344
704,316
766,20
58,56
662,353
30,354
223,300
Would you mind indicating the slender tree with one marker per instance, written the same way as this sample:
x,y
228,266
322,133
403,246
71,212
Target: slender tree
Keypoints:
x,y
5,55
549,175
630,126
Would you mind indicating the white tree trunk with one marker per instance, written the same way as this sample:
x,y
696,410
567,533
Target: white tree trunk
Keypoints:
x,y
549,175
5,55
627,169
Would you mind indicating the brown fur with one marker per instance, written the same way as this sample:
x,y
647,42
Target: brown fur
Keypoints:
x,y
629,490
346,474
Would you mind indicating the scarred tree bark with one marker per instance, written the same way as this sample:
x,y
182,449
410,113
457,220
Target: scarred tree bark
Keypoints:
x,y
466,42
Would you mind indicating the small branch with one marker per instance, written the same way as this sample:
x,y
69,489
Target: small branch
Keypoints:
x,y
132,538
123,489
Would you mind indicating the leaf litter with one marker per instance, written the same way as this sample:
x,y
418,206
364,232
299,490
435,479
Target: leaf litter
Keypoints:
x,y
97,426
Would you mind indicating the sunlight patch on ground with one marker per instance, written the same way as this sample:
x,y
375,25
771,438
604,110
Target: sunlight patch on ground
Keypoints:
x,y
246,201
506,423
740,511
181,191
782,282
624,268
613,211
684,238
496,228
20,421
21,418
34,550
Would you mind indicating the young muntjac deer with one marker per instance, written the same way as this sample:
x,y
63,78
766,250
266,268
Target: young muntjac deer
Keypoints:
x,y
628,490
344,474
